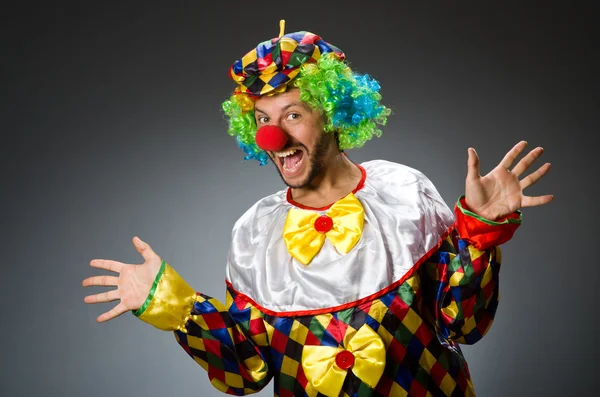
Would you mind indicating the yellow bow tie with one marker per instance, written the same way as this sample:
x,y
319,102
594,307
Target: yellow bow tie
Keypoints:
x,y
305,231
326,367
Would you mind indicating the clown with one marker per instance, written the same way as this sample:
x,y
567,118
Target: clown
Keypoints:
x,y
356,280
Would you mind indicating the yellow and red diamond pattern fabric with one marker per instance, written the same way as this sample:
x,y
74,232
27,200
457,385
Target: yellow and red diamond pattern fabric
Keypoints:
x,y
450,298
276,62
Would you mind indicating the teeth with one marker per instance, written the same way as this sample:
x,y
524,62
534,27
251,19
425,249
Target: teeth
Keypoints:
x,y
286,153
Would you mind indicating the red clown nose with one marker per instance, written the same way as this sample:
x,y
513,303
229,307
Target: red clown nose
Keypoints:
x,y
270,138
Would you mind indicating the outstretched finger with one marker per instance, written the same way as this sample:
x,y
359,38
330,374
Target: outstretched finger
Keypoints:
x,y
112,313
528,201
472,164
106,264
534,176
512,154
104,281
144,249
526,161
102,297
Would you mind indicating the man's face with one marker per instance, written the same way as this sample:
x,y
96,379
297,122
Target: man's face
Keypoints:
x,y
308,147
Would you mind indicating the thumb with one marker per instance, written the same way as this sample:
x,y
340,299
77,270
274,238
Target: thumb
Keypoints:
x,y
472,165
143,248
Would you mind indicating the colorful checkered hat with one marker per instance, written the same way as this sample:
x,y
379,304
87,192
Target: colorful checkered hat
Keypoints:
x,y
273,63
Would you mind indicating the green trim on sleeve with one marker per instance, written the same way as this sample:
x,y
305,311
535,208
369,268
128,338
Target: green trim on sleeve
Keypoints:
x,y
484,220
141,310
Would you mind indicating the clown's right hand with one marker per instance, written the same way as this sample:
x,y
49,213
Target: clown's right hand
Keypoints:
x,y
133,282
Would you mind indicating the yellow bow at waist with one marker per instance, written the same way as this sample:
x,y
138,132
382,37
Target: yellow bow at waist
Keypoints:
x,y
321,364
305,231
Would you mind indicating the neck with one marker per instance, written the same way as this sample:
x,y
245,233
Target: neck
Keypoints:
x,y
337,179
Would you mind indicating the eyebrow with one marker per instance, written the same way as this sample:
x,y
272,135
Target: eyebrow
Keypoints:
x,y
289,105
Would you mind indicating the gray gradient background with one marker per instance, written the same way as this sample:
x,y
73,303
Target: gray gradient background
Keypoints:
x,y
111,127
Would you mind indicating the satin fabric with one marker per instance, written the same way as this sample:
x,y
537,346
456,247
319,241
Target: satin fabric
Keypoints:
x,y
321,370
404,218
302,239
170,301
475,229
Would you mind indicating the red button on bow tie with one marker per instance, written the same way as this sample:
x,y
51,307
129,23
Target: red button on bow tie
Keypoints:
x,y
344,359
323,224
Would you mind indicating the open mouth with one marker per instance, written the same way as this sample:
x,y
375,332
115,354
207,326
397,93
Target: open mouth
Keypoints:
x,y
290,160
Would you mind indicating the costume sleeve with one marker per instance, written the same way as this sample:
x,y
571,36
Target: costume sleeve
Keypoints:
x,y
230,342
460,279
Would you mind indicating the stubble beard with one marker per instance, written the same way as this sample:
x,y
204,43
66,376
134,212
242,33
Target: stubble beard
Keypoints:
x,y
316,163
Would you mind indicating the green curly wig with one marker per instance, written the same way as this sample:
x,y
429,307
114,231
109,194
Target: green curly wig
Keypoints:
x,y
349,102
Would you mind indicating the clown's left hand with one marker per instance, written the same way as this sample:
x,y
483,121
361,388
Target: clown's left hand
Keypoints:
x,y
500,192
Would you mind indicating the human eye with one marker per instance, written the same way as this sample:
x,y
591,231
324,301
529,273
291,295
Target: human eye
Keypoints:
x,y
293,116
262,119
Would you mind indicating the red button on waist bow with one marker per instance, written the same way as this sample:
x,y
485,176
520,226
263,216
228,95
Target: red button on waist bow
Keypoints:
x,y
344,359
323,224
